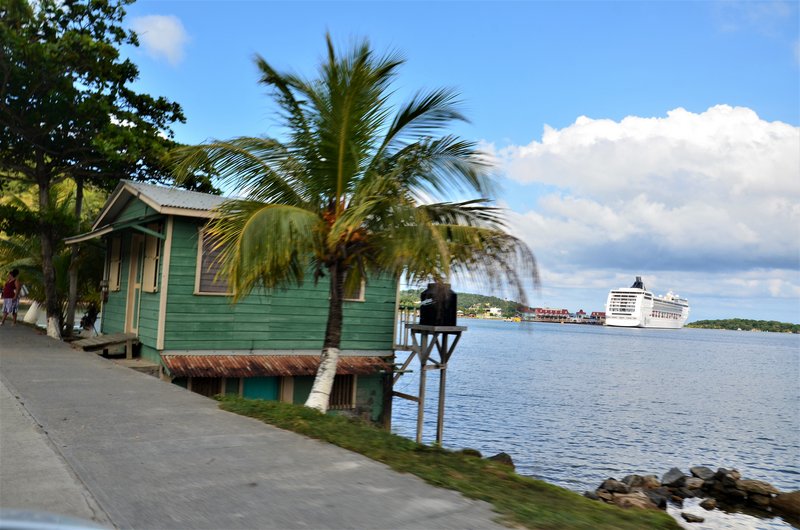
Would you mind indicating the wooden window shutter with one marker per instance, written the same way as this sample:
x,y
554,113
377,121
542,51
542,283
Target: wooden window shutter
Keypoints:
x,y
152,255
208,282
343,393
115,264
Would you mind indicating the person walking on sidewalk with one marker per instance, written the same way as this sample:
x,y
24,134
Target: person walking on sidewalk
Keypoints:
x,y
11,292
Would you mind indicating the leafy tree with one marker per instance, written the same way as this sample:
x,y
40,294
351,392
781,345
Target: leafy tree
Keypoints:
x,y
348,194
67,111
20,250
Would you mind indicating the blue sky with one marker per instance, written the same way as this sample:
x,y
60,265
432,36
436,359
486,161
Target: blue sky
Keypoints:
x,y
631,138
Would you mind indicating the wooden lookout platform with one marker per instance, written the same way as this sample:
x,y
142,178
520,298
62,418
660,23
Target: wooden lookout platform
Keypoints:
x,y
102,343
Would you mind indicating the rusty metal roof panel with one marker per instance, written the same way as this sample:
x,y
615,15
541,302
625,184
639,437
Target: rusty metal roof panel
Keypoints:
x,y
266,365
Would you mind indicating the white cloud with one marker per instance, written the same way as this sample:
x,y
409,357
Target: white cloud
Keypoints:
x,y
162,36
764,17
710,193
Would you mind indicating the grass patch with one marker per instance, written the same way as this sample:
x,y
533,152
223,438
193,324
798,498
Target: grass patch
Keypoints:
x,y
520,501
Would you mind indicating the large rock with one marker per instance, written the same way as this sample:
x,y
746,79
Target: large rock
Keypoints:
x,y
633,481
709,504
762,501
657,498
701,472
683,493
591,495
605,495
758,487
691,518
727,477
650,482
634,500
615,486
788,503
503,458
694,483
733,495
673,478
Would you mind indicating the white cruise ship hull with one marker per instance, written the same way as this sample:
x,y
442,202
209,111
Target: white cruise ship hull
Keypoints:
x,y
637,308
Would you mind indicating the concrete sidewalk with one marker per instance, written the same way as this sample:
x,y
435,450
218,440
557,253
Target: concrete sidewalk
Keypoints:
x,y
127,450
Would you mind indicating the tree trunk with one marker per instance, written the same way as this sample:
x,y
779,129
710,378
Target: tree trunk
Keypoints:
x,y
72,301
48,272
319,398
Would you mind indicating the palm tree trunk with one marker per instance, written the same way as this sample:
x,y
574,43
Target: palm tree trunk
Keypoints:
x,y
72,301
48,271
319,398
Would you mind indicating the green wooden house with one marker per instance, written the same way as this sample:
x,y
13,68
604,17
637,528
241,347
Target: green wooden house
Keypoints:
x,y
161,285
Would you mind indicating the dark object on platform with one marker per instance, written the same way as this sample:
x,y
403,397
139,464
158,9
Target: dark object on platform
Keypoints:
x,y
438,307
638,284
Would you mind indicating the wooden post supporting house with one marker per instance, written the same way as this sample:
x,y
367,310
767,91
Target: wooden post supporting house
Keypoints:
x,y
424,339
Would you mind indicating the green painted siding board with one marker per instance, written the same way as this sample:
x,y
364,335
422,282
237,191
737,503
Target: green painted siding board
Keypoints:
x,y
114,309
135,209
146,352
261,388
369,396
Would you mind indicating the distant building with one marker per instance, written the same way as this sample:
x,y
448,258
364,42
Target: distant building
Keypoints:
x,y
545,314
493,312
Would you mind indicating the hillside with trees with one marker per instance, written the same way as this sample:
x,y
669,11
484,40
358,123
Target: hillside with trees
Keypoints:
x,y
467,302
743,324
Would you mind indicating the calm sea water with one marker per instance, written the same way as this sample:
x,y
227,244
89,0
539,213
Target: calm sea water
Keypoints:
x,y
576,404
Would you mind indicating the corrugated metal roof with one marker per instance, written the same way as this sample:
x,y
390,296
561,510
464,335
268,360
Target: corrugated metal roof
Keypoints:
x,y
266,365
177,197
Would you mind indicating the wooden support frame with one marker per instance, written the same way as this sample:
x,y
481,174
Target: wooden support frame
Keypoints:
x,y
425,340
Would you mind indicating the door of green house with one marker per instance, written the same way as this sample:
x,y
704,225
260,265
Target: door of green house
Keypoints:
x,y
261,388
134,284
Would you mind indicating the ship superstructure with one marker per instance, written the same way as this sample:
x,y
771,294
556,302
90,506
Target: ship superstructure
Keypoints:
x,y
636,307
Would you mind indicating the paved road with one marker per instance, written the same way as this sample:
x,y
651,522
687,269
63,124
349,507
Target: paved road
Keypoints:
x,y
83,436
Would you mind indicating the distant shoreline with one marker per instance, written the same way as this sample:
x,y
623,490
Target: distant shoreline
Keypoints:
x,y
743,324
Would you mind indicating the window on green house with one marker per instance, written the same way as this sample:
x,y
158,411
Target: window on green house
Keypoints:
x,y
343,393
114,263
152,255
357,293
208,267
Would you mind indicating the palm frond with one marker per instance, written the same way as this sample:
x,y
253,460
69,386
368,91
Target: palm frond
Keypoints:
x,y
261,167
424,115
263,244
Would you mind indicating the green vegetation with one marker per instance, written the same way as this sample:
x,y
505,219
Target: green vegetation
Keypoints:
x,y
467,302
746,325
520,501
70,113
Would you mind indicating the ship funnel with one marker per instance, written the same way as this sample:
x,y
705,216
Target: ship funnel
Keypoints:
x,y
638,284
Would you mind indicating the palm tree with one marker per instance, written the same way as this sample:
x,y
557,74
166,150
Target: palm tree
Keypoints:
x,y
350,193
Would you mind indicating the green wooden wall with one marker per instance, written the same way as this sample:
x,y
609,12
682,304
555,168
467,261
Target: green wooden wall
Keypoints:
x,y
135,209
283,319
261,388
114,308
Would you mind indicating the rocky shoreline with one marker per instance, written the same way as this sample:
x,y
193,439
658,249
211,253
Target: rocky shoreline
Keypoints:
x,y
724,486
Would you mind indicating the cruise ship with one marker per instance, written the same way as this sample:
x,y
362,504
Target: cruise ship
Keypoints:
x,y
636,307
